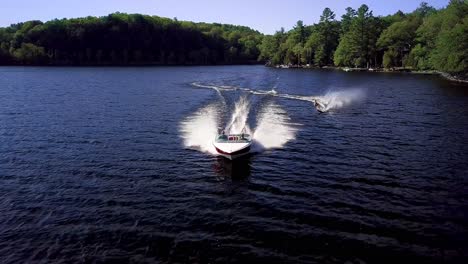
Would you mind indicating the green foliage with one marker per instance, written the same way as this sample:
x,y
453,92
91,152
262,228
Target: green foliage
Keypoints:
x,y
424,10
424,39
313,43
286,47
358,45
299,33
5,37
346,51
347,19
325,39
304,44
127,39
450,52
418,58
427,38
30,54
399,37
390,58
268,47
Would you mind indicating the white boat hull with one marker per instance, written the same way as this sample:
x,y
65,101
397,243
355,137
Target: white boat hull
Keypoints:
x,y
232,150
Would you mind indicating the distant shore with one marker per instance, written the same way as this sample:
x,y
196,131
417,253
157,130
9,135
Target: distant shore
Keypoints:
x,y
462,78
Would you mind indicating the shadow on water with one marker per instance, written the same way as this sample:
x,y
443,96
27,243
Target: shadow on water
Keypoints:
x,y
236,170
451,87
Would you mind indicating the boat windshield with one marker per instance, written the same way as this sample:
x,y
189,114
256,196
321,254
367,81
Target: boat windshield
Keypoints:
x,y
222,137
234,138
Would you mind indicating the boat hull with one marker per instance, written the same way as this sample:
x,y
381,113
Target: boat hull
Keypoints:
x,y
232,150
233,155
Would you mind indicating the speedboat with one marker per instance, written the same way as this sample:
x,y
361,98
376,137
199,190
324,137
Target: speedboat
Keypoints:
x,y
232,146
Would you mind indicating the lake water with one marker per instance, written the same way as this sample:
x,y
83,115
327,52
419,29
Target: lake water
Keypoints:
x,y
115,165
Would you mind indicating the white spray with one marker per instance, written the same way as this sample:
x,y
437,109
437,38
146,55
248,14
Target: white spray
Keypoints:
x,y
274,128
199,130
338,99
239,117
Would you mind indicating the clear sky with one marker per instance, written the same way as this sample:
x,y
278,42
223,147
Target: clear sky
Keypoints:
x,y
263,15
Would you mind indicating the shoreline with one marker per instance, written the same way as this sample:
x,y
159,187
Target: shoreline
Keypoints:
x,y
445,75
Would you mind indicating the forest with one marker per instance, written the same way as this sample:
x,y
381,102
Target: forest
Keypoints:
x,y
127,39
425,39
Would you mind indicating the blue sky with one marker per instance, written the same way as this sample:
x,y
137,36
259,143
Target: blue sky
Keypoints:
x,y
263,15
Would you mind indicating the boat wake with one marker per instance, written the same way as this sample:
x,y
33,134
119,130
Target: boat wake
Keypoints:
x,y
329,101
239,117
272,127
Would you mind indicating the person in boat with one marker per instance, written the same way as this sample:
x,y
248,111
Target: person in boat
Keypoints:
x,y
222,135
243,134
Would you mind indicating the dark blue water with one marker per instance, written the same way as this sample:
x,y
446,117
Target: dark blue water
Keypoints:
x,y
94,168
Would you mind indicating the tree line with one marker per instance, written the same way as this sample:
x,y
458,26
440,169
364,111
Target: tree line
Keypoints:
x,y
425,39
121,39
